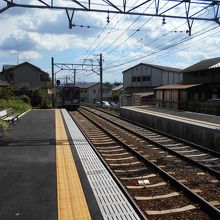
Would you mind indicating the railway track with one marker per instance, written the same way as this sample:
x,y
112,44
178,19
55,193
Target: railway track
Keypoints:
x,y
206,159
170,189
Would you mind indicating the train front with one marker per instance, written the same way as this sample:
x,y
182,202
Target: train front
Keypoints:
x,y
71,97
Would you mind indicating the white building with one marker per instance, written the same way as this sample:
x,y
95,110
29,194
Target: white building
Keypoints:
x,y
140,80
148,75
90,92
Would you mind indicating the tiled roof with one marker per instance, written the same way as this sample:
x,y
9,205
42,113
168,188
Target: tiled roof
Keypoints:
x,y
202,65
171,69
6,67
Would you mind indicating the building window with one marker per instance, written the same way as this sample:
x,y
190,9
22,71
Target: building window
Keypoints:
x,y
134,78
106,91
12,77
136,69
138,78
43,77
94,91
145,78
203,74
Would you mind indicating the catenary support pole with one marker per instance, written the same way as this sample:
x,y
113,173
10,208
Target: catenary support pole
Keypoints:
x,y
53,88
101,72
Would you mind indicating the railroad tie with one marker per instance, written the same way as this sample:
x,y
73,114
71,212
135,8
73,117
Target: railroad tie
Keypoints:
x,y
169,211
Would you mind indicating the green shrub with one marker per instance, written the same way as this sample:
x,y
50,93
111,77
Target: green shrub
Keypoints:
x,y
4,124
6,92
17,104
25,98
45,99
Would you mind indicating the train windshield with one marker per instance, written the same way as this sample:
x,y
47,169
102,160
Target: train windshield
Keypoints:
x,y
71,93
67,93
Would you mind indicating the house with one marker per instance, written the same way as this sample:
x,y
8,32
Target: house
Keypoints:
x,y
24,74
199,91
205,71
116,92
90,92
139,82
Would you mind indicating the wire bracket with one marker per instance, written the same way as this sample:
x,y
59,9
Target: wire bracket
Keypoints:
x,y
70,14
10,4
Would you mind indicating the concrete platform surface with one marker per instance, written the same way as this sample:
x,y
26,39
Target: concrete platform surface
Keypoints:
x,y
28,169
49,171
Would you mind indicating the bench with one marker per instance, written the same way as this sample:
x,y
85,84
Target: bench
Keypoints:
x,y
9,116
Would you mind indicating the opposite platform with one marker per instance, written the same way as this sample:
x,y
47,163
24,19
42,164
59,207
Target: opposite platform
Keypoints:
x,y
195,127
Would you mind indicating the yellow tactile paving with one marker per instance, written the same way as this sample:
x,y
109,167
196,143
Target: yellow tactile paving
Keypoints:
x,y
71,200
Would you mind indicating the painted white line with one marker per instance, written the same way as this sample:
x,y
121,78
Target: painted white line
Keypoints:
x,y
24,113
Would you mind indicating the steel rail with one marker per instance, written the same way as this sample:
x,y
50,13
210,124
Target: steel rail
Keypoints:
x,y
212,152
206,206
123,189
173,152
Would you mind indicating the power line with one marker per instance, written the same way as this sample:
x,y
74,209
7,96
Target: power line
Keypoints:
x,y
126,29
109,32
142,38
149,42
166,48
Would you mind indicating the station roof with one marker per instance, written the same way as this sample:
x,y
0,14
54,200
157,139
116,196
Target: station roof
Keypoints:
x,y
202,65
177,86
171,69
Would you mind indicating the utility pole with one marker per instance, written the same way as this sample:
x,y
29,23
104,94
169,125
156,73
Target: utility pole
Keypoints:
x,y
101,72
17,55
74,79
53,94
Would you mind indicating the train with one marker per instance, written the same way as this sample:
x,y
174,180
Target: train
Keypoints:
x,y
70,96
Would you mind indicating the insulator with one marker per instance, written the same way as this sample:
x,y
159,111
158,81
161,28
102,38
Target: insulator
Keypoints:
x,y
108,19
163,21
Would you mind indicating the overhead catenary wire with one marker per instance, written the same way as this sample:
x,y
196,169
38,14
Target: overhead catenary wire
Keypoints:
x,y
167,47
142,39
172,52
161,36
133,32
120,35
109,32
126,29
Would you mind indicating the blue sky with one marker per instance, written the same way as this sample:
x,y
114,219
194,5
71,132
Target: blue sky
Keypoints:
x,y
36,35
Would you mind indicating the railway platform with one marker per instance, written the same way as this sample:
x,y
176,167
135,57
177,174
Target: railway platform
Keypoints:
x,y
49,171
202,129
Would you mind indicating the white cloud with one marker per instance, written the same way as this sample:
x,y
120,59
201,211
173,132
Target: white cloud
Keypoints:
x,y
41,33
